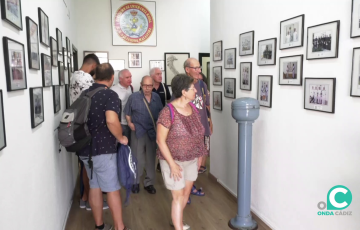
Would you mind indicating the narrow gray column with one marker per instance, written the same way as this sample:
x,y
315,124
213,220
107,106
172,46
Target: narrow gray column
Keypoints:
x,y
245,111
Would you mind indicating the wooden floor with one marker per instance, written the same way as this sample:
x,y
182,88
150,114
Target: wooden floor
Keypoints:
x,y
152,212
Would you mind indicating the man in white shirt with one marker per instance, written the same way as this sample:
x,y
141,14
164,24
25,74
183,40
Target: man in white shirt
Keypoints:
x,y
124,90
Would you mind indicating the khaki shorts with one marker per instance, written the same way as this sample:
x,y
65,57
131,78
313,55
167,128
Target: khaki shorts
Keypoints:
x,y
189,173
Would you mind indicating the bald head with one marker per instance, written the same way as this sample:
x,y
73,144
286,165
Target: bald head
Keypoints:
x,y
147,85
192,68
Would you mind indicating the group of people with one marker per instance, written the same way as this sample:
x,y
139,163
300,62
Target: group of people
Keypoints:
x,y
321,43
176,128
291,36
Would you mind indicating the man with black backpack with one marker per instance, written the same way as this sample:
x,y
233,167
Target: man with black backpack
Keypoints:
x,y
99,156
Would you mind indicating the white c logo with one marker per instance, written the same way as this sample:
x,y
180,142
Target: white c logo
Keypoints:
x,y
332,198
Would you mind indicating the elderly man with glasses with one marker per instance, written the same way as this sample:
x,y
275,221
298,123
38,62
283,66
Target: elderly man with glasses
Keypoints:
x,y
142,111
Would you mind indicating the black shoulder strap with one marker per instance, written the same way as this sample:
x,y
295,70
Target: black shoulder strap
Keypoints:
x,y
94,91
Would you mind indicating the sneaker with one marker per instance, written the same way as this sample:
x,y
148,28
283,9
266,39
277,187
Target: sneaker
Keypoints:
x,y
185,225
106,227
88,206
105,205
82,204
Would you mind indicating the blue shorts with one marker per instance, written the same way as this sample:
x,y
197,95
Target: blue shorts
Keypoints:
x,y
105,174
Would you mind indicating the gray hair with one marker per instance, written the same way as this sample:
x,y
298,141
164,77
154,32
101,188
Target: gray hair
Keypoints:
x,y
121,72
152,71
187,63
142,79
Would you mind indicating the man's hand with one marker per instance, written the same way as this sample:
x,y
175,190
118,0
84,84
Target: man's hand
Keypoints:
x,y
123,140
132,126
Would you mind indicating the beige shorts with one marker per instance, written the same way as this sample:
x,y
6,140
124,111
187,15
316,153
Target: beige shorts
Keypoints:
x,y
189,173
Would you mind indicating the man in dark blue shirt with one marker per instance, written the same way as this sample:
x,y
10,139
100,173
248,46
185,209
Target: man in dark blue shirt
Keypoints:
x,y
105,130
142,111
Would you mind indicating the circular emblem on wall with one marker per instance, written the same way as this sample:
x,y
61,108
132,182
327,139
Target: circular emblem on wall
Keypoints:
x,y
134,23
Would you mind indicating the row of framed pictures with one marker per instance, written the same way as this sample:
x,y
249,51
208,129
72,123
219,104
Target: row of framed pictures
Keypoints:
x,y
319,93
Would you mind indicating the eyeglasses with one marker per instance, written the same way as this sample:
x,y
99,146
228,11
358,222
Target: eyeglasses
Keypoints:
x,y
193,89
147,86
195,68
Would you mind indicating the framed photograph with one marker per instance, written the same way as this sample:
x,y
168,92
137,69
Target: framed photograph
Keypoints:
x,y
133,23
65,58
174,65
14,58
217,51
68,48
245,75
102,55
217,75
56,98
267,52
117,64
46,70
323,41
44,28
61,73
2,123
355,19
217,95
157,63
53,52
320,94
229,87
246,43
37,106
355,73
11,12
230,58
32,44
291,70
264,94
292,32
135,60
67,96
59,41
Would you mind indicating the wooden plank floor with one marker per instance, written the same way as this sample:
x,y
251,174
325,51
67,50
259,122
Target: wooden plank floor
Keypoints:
x,y
152,212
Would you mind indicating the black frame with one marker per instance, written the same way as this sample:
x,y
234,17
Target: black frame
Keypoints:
x,y
67,96
351,20
234,58
59,45
43,56
32,106
129,59
52,40
253,39
201,55
221,50
54,95
337,40
75,63
271,89
68,47
28,19
69,72
302,32
301,69
166,81
231,79
214,100
3,15
352,73
250,77
61,65
3,120
214,75
65,58
7,63
40,11
333,92
258,57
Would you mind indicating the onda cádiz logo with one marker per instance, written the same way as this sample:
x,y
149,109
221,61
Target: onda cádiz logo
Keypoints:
x,y
339,198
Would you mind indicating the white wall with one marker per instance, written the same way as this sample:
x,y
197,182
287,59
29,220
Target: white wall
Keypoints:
x,y
298,155
37,181
182,26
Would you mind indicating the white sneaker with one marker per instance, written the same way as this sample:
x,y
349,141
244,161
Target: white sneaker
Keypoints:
x,y
82,204
185,225
88,206
105,205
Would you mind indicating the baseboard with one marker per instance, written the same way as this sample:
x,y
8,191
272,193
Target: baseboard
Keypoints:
x,y
67,215
259,220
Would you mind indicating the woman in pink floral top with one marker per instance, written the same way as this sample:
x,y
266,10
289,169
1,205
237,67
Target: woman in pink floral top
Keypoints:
x,y
180,138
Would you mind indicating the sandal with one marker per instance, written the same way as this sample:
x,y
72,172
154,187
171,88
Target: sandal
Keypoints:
x,y
189,200
198,192
202,169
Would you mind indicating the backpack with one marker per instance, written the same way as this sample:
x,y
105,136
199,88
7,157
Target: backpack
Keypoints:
x,y
126,169
73,132
171,108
